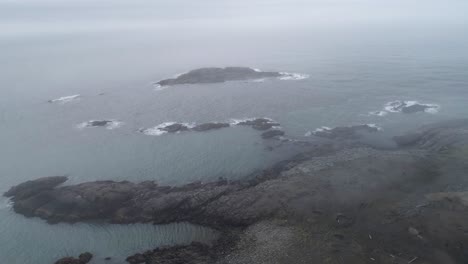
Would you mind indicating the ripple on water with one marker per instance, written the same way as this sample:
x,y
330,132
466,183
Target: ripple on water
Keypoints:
x,y
20,237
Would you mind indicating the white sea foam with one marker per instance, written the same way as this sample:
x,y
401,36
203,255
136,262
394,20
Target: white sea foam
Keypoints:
x,y
375,126
158,87
258,80
234,122
114,124
308,134
326,129
322,129
65,99
379,113
287,76
6,203
397,107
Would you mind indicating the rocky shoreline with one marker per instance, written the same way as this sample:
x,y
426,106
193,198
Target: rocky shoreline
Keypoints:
x,y
335,203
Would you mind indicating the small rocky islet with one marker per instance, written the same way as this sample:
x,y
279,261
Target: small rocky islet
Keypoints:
x,y
218,75
338,201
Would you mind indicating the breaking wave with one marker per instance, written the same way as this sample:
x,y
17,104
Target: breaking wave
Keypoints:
x,y
286,76
65,99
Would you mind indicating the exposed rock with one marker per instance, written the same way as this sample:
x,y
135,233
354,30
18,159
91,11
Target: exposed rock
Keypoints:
x,y
173,128
85,257
348,132
272,133
98,123
260,123
195,253
126,202
30,188
68,260
218,75
415,108
209,126
82,259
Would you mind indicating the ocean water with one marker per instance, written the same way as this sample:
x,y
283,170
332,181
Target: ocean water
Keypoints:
x,y
108,73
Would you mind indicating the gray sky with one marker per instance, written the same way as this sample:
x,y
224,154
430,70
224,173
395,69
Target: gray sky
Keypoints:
x,y
59,16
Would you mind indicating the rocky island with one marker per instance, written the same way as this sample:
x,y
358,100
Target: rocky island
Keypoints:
x,y
335,203
218,75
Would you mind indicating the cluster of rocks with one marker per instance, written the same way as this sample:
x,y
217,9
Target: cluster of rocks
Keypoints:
x,y
270,127
218,75
82,259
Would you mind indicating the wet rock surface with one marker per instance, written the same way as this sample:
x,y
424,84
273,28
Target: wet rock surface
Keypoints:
x,y
272,133
82,259
218,75
98,123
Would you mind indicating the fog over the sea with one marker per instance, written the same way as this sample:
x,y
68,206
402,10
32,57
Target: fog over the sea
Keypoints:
x,y
22,18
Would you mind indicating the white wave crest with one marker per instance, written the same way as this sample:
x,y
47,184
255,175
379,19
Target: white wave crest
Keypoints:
x,y
65,99
6,204
157,87
234,122
287,76
308,134
322,129
375,126
378,113
398,106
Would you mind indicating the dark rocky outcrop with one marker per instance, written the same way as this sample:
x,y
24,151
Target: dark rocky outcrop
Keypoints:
x,y
126,202
272,133
210,126
82,259
195,253
218,75
98,123
30,188
415,108
349,132
174,128
260,123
